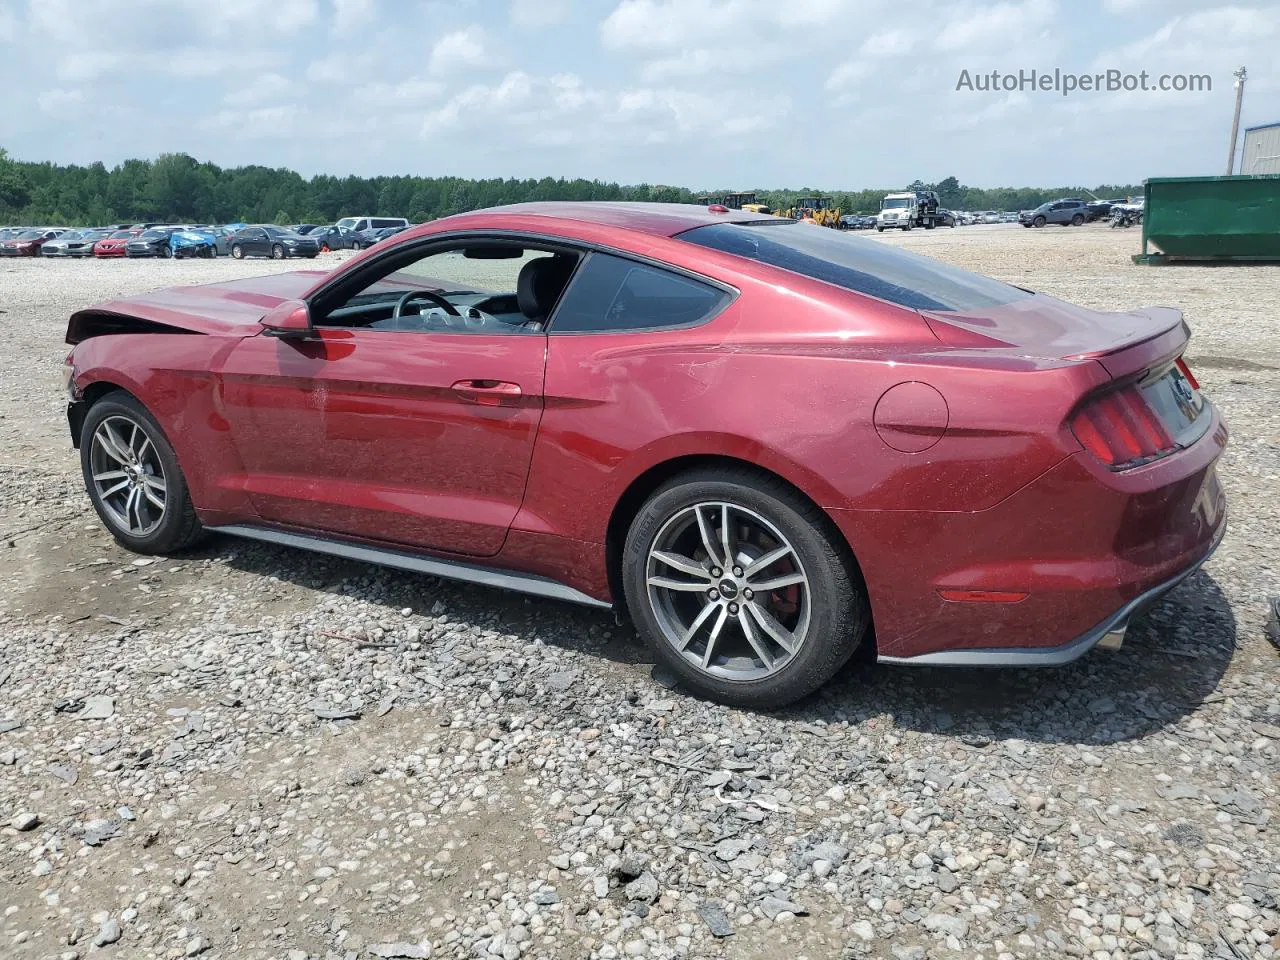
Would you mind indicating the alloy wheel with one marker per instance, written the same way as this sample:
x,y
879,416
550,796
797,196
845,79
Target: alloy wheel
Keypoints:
x,y
128,476
728,591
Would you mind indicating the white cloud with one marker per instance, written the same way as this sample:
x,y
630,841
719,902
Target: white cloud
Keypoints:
x,y
701,61
533,14
848,75
269,86
409,91
53,101
889,43
669,24
8,25
461,49
561,110
350,15
996,26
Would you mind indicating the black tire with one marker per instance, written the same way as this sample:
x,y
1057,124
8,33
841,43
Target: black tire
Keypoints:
x,y
929,224
1039,221
839,614
1077,220
879,229
277,252
237,252
167,252
178,528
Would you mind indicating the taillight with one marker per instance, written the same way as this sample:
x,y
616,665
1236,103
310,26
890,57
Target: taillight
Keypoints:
x,y
1186,372
1120,429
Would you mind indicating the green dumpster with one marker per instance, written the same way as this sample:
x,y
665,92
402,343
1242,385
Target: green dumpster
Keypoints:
x,y
1211,219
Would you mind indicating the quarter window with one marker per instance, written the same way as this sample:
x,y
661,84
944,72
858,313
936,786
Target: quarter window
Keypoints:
x,y
611,294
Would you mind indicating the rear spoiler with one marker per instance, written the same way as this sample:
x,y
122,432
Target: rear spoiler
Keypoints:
x,y
1157,350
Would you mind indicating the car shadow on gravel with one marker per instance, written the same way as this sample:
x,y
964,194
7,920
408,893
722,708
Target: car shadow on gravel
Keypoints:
x,y
591,631
1172,660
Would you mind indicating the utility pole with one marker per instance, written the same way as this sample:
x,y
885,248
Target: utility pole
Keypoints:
x,y
1240,76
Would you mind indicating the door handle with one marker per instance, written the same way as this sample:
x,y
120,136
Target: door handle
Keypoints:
x,y
489,393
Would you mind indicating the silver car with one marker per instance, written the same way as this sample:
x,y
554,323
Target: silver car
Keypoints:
x,y
74,243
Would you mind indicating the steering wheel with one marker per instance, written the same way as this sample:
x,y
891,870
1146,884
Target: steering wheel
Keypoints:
x,y
431,295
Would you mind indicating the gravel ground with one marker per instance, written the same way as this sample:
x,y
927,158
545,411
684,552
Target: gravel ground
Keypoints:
x,y
287,756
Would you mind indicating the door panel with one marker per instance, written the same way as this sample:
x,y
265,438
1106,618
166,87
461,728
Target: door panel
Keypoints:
x,y
416,438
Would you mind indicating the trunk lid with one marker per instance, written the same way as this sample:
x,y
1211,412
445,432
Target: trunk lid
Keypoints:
x,y
1049,329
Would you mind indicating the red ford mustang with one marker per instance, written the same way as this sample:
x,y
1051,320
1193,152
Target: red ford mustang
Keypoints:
x,y
759,437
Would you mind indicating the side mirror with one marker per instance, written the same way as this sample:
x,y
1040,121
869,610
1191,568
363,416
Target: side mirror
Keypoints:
x,y
290,320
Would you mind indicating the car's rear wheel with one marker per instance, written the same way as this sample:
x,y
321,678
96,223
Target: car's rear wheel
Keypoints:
x,y
237,251
277,252
742,588
133,478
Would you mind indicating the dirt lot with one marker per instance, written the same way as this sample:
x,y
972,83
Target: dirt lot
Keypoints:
x,y
513,782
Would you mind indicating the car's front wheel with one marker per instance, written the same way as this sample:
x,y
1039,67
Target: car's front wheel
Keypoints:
x,y
277,252
742,588
133,478
1077,220
1039,222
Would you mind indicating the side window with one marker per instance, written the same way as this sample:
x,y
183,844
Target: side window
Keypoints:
x,y
610,293
480,286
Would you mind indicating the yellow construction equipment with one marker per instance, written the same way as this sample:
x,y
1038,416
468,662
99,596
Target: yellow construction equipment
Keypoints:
x,y
745,200
819,210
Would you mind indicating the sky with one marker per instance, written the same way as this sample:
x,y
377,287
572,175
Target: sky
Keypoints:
x,y
753,94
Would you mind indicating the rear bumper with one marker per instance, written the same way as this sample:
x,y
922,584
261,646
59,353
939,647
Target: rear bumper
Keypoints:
x,y
1108,633
1084,548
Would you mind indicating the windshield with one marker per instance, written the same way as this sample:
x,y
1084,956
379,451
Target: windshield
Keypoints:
x,y
30,235
154,234
894,203
347,222
279,232
855,263
121,235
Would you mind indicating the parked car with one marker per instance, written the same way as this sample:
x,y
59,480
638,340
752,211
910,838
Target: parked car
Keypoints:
x,y
28,242
113,245
360,224
1063,212
73,243
194,243
945,218
1009,216
367,238
151,243
222,239
334,237
557,428
273,241
1101,209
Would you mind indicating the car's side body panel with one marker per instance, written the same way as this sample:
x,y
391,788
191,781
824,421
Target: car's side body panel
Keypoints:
x,y
371,434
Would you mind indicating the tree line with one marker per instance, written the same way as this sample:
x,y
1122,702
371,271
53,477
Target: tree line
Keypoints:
x,y
178,188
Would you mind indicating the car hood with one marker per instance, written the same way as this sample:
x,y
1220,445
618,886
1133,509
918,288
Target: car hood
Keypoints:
x,y
226,309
